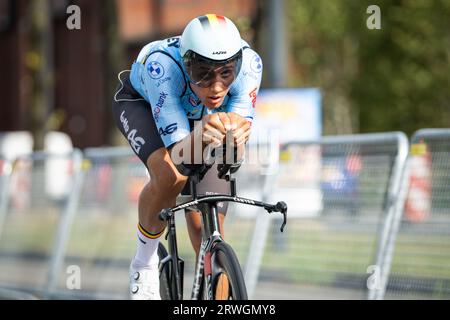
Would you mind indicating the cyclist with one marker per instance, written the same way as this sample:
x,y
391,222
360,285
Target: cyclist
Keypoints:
x,y
208,75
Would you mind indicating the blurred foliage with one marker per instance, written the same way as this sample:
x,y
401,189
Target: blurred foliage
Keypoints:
x,y
394,78
38,61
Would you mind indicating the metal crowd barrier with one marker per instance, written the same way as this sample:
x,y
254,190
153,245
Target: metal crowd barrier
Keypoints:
x,y
363,221
35,204
101,236
5,175
341,193
419,251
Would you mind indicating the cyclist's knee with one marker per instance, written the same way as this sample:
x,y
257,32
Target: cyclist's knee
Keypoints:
x,y
164,177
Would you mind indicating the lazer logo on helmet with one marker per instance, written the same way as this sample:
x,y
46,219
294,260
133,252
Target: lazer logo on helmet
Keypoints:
x,y
219,52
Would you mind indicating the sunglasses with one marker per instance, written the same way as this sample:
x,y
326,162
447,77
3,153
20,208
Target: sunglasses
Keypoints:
x,y
205,77
204,72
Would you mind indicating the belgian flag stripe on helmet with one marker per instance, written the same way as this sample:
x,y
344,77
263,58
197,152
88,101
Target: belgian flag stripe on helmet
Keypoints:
x,y
211,20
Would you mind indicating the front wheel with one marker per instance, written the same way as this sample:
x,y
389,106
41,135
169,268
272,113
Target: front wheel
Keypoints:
x,y
227,281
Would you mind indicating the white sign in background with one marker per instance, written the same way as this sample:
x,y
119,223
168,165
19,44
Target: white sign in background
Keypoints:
x,y
292,115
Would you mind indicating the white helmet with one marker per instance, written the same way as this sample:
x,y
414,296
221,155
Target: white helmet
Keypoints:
x,y
210,42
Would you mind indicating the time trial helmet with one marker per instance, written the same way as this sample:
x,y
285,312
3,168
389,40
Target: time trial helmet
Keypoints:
x,y
211,44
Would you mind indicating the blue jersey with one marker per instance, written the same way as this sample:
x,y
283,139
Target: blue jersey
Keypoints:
x,y
158,74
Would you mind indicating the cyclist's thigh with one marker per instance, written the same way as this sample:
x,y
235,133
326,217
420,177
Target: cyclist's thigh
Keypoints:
x,y
133,117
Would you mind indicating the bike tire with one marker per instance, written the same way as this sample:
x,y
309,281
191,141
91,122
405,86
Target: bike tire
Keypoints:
x,y
227,275
165,283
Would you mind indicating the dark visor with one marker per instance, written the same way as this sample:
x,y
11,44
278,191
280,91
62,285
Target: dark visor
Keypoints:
x,y
203,71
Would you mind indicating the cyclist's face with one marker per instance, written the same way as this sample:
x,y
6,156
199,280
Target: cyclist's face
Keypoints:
x,y
203,75
215,84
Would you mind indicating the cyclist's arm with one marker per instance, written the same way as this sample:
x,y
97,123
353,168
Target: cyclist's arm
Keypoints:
x,y
211,130
164,88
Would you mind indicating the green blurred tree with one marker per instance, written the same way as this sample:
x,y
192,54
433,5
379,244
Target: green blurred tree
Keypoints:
x,y
395,78
40,66
114,63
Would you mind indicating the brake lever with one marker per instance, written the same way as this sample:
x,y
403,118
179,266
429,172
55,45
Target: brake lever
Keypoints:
x,y
282,208
284,221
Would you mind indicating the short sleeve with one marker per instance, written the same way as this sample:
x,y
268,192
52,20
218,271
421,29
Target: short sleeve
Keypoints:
x,y
163,83
245,89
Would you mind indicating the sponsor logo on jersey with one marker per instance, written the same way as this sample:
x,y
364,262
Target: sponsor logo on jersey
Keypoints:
x,y
124,122
171,128
250,75
162,98
252,95
159,105
156,113
155,70
173,42
162,81
194,102
256,64
135,141
192,113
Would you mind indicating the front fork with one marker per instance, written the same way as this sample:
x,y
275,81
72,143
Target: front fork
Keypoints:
x,y
199,275
181,278
176,263
203,269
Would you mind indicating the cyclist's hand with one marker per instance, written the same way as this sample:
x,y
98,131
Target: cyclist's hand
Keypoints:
x,y
214,128
241,128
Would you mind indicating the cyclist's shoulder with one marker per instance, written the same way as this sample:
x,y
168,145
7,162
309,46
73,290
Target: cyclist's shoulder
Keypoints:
x,y
251,69
160,62
158,69
248,52
165,51
250,74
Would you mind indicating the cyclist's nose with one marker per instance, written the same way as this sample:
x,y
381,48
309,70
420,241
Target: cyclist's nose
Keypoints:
x,y
217,84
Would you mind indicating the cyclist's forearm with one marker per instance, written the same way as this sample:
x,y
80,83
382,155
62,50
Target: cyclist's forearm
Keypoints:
x,y
188,150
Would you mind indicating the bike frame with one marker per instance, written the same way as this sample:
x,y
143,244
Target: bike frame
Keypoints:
x,y
210,235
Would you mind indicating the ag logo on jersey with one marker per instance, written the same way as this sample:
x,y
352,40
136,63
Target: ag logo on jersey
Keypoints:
x,y
168,130
155,70
256,64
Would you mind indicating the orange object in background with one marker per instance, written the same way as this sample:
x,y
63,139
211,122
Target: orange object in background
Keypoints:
x,y
418,202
